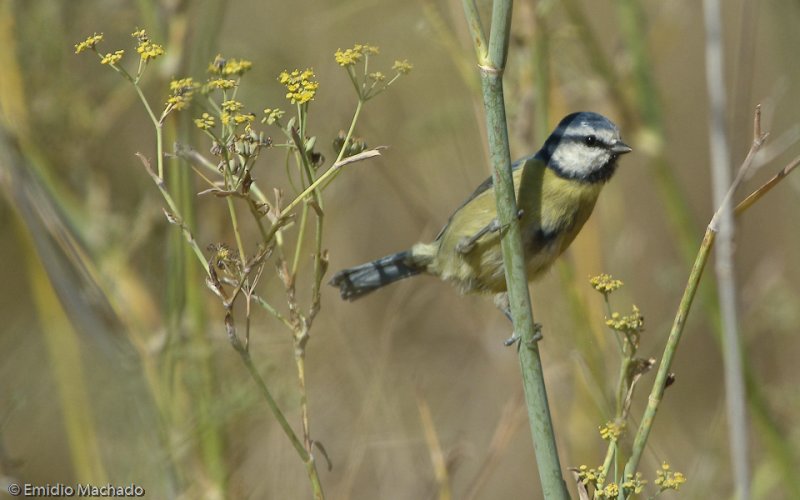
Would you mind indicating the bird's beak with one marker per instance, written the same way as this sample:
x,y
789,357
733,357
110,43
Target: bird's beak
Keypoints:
x,y
620,148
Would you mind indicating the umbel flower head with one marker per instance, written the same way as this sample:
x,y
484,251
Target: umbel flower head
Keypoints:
x,y
90,43
229,67
112,57
631,323
147,49
666,479
349,57
403,67
604,283
181,93
301,85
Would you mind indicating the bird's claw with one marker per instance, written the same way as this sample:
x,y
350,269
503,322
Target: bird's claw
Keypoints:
x,y
513,339
467,243
516,339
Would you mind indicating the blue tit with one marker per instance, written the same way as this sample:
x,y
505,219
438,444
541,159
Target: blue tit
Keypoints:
x,y
556,190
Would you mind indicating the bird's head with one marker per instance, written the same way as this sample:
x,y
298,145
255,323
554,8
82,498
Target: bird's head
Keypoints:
x,y
584,147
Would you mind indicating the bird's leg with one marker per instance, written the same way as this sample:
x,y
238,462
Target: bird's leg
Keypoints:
x,y
467,243
501,301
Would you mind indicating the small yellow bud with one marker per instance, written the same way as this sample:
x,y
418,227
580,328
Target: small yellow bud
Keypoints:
x,y
604,283
403,67
205,122
301,86
112,58
90,43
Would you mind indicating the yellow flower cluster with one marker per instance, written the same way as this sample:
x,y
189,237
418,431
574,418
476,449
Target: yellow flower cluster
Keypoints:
x,y
668,480
231,106
611,431
181,92
590,476
377,77
112,58
227,67
272,115
349,57
634,483
403,67
632,323
149,50
146,49
221,83
604,283
611,490
236,118
205,122
90,43
300,85
182,86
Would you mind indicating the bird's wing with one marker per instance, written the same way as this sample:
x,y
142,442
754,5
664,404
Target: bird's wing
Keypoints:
x,y
482,188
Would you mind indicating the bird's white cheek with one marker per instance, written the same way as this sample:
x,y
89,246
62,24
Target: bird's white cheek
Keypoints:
x,y
580,160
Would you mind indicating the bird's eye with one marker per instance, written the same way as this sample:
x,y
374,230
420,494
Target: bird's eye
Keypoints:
x,y
590,141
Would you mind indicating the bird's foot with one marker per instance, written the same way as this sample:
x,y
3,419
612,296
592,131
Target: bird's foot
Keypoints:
x,y
516,339
467,243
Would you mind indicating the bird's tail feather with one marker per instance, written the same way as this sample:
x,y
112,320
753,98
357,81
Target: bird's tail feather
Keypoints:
x,y
360,280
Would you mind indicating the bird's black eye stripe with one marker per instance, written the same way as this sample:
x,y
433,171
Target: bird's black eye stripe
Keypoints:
x,y
590,140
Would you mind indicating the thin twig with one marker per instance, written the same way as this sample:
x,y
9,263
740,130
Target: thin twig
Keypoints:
x,y
371,153
659,385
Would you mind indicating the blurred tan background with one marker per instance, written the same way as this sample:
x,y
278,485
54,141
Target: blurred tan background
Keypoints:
x,y
89,289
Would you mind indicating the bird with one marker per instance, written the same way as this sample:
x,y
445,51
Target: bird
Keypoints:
x,y
556,190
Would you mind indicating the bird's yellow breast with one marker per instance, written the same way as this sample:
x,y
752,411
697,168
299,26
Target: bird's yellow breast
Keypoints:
x,y
553,211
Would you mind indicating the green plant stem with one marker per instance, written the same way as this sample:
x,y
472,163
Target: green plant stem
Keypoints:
x,y
347,138
175,212
351,129
270,309
669,352
492,63
680,319
327,176
318,269
302,159
158,124
301,231
304,454
300,361
609,459
237,233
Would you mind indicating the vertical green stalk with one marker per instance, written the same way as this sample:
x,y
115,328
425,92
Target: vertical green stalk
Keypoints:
x,y
305,455
491,61
669,352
